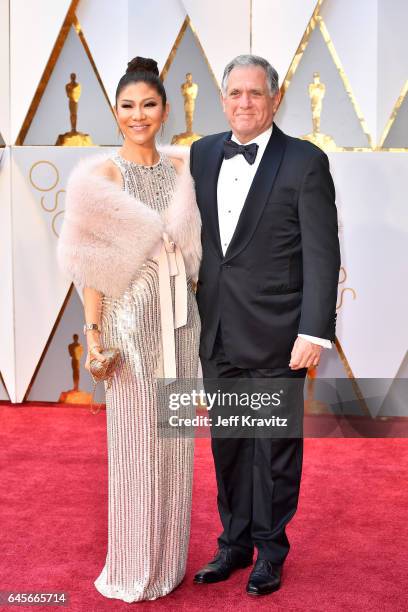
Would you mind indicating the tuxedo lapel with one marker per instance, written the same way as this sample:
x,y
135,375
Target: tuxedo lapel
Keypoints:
x,y
258,193
210,192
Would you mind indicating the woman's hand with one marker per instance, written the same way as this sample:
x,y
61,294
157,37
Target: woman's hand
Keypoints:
x,y
94,352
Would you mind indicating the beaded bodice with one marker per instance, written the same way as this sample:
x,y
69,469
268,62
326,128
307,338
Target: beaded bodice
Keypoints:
x,y
152,185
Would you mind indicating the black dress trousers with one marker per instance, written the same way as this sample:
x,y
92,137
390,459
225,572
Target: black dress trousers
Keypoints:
x,y
258,479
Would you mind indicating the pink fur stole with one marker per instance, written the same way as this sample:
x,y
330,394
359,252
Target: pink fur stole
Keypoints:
x,y
107,234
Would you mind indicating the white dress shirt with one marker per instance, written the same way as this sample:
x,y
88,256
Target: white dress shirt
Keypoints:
x,y
234,181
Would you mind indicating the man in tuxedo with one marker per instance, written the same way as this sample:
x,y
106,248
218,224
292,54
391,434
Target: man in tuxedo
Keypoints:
x,y
267,293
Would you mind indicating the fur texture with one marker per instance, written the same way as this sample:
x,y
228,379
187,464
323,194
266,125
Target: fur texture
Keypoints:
x,y
108,234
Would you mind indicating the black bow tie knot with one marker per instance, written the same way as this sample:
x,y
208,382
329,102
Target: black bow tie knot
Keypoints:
x,y
232,148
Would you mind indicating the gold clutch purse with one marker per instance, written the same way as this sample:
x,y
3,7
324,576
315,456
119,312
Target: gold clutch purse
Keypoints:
x,y
103,370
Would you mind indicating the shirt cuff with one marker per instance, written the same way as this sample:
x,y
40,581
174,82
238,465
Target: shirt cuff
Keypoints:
x,y
321,341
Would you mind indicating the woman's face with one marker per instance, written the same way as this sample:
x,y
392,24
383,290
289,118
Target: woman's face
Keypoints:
x,y
140,112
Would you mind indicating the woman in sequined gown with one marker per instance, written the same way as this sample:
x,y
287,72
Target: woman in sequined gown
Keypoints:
x,y
149,475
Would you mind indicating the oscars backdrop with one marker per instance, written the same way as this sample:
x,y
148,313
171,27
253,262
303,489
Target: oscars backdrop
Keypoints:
x,y
343,69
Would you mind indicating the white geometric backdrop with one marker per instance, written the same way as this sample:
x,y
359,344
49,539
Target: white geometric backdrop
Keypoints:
x,y
360,49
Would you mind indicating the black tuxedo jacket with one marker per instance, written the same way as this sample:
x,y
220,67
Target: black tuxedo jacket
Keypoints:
x,y
280,272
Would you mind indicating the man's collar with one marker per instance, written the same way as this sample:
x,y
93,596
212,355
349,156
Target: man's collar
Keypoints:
x,y
261,140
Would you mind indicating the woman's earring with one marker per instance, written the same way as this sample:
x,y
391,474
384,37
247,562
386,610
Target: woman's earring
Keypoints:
x,y
162,129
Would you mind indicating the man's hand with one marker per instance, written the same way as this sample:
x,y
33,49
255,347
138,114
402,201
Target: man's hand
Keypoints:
x,y
304,354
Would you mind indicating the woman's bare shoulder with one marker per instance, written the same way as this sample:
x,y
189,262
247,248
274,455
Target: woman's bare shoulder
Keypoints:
x,y
108,169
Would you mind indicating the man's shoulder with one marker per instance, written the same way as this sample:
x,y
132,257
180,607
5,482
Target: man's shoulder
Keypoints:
x,y
302,148
210,140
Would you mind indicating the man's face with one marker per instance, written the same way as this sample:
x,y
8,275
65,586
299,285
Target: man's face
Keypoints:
x,y
248,104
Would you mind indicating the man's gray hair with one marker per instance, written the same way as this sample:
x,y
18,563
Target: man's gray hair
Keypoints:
x,y
272,76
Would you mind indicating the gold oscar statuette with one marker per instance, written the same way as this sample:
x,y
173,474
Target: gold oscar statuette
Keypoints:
x,y
75,395
189,91
73,138
316,95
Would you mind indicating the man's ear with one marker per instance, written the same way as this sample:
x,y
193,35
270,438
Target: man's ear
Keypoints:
x,y
277,99
222,101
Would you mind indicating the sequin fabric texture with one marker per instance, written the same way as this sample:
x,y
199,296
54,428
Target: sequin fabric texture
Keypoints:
x,y
149,475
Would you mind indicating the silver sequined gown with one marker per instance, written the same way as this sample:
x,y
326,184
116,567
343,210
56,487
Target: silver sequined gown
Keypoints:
x,y
150,476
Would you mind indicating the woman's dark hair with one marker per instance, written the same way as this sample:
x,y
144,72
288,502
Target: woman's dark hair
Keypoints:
x,y
142,70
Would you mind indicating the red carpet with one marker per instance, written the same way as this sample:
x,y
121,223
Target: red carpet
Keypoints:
x,y
349,537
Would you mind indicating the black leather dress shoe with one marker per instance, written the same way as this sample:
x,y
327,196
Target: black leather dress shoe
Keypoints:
x,y
221,567
264,578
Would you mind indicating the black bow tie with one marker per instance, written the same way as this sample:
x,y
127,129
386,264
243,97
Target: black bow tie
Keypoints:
x,y
232,148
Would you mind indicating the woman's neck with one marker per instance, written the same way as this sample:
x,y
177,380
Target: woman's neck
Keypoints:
x,y
147,155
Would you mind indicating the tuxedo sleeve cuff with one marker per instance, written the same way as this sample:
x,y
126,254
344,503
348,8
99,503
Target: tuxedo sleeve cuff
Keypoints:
x,y
321,341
